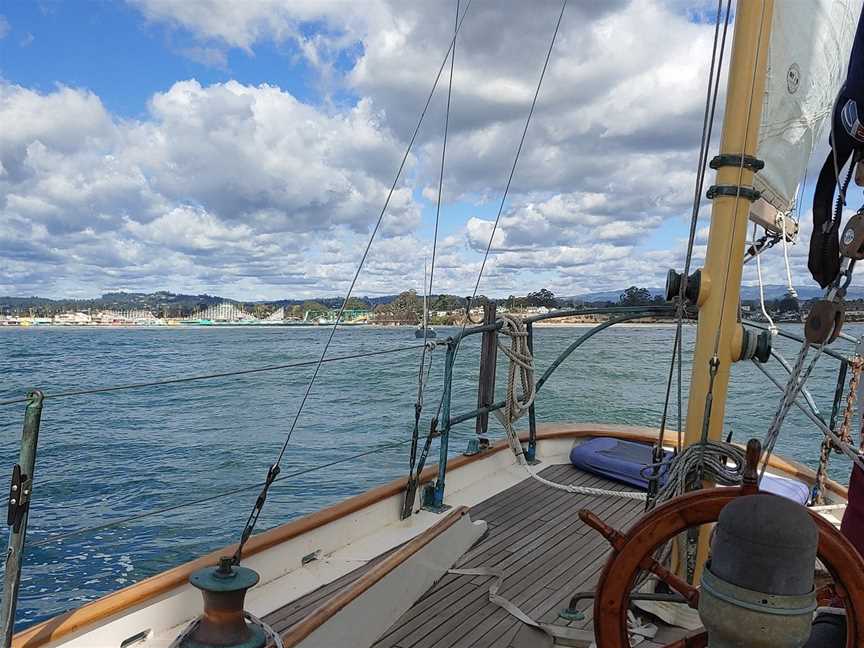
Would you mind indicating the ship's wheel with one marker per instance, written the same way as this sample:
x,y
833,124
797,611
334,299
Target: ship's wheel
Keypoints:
x,y
634,551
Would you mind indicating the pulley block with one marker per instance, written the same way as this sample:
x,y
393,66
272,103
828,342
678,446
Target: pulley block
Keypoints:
x,y
755,346
852,241
824,321
673,286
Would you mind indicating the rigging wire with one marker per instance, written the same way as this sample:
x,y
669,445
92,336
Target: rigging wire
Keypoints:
x,y
211,498
421,382
443,154
507,186
274,469
428,444
223,374
711,94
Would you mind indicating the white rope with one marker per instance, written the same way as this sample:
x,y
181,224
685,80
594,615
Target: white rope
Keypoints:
x,y
516,405
772,327
638,630
789,284
521,363
273,637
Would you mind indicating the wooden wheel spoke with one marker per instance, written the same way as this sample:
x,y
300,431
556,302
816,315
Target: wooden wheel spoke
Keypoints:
x,y
618,540
634,551
674,581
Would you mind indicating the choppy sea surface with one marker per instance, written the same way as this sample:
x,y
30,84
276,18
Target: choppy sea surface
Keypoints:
x,y
106,457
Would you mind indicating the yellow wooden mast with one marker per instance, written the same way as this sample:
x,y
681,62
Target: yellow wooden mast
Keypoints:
x,y
719,334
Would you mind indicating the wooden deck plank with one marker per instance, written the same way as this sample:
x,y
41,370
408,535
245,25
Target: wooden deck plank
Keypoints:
x,y
451,584
478,622
473,596
570,576
535,538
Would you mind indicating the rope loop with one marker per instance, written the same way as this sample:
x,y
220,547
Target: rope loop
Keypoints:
x,y
521,365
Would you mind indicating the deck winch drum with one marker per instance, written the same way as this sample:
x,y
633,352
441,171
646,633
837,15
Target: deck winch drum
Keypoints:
x,y
757,589
223,623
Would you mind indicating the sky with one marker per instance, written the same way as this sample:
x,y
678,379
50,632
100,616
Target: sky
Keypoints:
x,y
246,149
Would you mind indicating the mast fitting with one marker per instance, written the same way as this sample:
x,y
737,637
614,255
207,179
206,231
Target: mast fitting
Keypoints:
x,y
737,160
733,191
752,345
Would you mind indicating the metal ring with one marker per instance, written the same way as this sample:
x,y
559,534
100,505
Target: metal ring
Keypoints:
x,y
712,585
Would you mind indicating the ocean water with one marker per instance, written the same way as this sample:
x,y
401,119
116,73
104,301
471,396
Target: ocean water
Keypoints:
x,y
106,457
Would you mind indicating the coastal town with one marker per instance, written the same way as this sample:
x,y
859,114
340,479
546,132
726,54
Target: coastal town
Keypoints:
x,y
405,309
231,314
166,309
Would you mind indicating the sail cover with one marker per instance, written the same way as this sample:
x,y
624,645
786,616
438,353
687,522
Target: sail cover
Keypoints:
x,y
807,61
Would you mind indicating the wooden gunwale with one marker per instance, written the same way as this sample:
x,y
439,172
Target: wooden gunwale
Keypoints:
x,y
135,595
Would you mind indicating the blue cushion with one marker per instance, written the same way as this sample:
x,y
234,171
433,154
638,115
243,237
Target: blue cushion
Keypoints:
x,y
625,462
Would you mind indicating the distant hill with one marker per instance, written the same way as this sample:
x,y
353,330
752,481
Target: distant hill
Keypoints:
x,y
161,302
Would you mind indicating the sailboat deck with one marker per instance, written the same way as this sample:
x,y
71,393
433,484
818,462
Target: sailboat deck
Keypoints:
x,y
545,552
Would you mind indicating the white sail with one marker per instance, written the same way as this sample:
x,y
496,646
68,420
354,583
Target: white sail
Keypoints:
x,y
809,54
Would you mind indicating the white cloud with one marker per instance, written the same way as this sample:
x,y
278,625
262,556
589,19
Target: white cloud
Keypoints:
x,y
4,27
217,182
242,186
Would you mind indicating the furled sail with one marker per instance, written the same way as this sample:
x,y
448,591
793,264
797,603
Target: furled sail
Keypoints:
x,y
807,61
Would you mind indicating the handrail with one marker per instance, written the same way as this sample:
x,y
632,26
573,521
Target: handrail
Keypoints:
x,y
580,341
632,313
624,314
647,311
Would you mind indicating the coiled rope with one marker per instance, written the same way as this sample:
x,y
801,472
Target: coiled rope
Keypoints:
x,y
521,364
715,461
721,463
